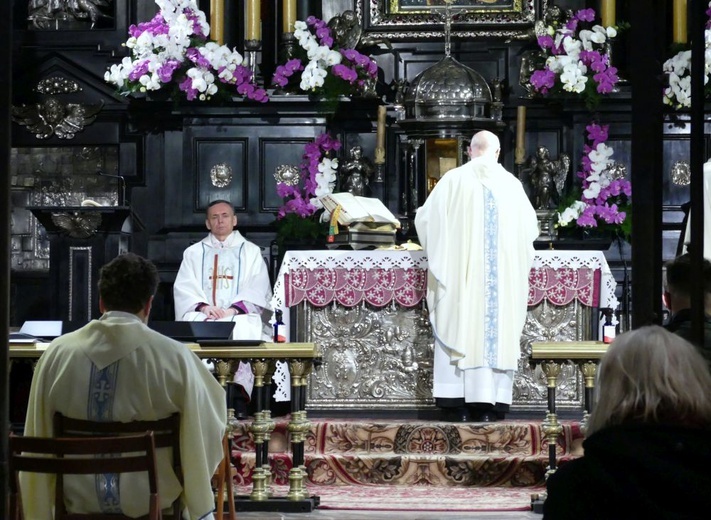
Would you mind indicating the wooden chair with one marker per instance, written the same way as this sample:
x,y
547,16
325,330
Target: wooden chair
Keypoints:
x,y
224,483
58,455
166,434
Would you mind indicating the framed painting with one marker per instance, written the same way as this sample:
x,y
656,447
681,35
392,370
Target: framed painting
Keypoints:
x,y
409,19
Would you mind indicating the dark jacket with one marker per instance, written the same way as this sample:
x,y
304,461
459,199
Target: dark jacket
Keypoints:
x,y
635,471
680,324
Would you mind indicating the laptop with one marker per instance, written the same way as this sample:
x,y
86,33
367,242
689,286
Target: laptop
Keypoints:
x,y
194,331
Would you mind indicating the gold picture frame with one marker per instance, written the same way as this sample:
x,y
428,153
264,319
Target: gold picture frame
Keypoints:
x,y
409,19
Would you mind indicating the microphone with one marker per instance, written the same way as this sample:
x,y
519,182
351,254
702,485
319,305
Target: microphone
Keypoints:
x,y
123,201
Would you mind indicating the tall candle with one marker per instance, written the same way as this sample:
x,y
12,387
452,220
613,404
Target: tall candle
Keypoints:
x,y
254,20
381,127
679,33
520,151
607,12
217,21
288,15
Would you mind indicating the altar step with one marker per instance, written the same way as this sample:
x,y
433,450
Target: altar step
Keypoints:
x,y
361,452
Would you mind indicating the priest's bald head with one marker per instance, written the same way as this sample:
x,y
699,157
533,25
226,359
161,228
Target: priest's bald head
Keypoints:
x,y
485,144
220,218
128,283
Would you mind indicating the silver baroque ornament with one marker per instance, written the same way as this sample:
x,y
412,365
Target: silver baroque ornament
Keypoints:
x,y
681,173
221,175
617,171
287,174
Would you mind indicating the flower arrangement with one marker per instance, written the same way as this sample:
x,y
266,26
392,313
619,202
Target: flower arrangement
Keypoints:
x,y
172,53
575,59
316,178
604,199
321,68
678,71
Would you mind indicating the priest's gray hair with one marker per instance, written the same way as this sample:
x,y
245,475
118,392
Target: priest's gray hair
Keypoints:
x,y
485,143
651,375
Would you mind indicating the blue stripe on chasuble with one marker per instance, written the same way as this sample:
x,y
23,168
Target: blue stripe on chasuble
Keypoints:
x,y
491,279
102,391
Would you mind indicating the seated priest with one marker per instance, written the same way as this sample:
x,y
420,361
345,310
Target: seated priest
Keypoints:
x,y
224,277
117,369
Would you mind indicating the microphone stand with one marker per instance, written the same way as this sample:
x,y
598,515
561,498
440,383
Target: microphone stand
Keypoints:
x,y
123,201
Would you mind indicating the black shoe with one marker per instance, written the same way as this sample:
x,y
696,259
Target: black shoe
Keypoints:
x,y
458,414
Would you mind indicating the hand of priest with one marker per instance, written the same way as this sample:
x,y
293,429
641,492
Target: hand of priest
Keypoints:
x,y
217,312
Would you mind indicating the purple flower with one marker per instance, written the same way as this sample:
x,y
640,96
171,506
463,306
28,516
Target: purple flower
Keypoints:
x,y
542,80
585,15
597,134
139,70
165,71
346,73
545,41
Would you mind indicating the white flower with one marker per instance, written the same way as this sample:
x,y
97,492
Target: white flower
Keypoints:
x,y
592,191
601,154
573,77
571,213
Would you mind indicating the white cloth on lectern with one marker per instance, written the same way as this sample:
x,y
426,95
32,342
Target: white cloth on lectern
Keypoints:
x,y
707,215
117,369
477,227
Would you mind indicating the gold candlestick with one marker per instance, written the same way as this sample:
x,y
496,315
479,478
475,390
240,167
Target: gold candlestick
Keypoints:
x,y
254,20
679,33
607,12
217,20
520,150
288,15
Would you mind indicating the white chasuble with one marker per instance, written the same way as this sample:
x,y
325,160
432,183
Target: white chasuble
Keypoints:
x,y
222,274
477,227
117,369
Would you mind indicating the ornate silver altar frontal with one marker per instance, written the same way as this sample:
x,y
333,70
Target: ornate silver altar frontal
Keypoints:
x,y
221,175
382,358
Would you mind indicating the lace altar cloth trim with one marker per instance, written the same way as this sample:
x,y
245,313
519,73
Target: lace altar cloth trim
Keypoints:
x,y
379,277
349,287
563,285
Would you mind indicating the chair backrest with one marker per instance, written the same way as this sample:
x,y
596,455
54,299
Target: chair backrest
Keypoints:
x,y
82,456
166,434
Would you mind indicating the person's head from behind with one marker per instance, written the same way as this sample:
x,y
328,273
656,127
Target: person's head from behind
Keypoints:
x,y
485,144
220,218
679,284
650,375
128,283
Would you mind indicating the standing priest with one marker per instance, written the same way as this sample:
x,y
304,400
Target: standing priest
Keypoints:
x,y
477,227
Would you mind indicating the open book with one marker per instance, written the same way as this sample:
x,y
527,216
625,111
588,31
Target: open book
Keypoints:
x,y
358,209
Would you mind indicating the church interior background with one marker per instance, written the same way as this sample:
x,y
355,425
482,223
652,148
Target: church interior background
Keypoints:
x,y
158,158
163,157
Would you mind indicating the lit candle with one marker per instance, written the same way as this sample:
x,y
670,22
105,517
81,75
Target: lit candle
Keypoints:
x,y
288,15
607,12
217,20
381,127
520,151
254,20
679,25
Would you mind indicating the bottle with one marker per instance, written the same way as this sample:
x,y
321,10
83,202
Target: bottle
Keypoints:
x,y
279,327
608,329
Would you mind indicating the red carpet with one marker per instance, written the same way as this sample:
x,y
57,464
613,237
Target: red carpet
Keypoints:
x,y
417,498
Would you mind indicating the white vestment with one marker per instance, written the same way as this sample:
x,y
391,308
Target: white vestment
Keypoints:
x,y
222,274
117,369
477,227
707,215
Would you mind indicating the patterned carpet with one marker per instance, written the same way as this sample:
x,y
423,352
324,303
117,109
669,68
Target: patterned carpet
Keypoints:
x,y
419,455
417,498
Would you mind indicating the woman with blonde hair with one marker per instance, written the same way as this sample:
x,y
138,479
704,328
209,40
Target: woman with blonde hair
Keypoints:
x,y
648,441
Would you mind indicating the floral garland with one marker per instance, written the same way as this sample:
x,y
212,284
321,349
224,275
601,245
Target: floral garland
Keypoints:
x,y
172,52
318,174
575,59
605,199
678,71
321,68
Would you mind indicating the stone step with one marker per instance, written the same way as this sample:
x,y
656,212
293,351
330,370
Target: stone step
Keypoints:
x,y
515,438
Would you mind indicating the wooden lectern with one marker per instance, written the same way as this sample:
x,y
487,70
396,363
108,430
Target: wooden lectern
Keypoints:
x,y
81,240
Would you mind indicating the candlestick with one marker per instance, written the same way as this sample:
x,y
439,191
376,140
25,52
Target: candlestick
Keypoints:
x,y
607,12
679,33
288,15
382,111
251,47
217,21
254,20
520,151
